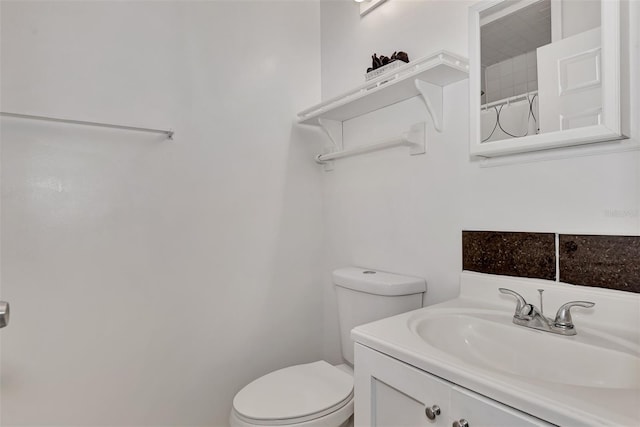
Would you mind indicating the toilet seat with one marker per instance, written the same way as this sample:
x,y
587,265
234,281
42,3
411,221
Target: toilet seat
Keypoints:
x,y
294,395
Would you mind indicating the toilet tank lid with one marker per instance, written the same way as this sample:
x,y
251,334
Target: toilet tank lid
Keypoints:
x,y
378,282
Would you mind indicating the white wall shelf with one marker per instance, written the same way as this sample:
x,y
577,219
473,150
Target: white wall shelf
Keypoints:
x,y
439,69
425,77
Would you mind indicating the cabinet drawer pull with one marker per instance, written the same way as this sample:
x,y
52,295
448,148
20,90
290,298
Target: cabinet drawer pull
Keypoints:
x,y
432,412
460,423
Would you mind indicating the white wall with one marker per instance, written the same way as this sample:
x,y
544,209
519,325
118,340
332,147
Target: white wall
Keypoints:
x,y
150,280
402,213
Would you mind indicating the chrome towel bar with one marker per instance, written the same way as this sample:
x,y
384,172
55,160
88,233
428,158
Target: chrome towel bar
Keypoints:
x,y
168,133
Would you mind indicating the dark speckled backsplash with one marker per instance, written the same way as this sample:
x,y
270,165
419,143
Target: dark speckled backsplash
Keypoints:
x,y
603,261
589,260
510,254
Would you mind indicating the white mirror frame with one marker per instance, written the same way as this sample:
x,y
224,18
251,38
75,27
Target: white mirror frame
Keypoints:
x,y
613,125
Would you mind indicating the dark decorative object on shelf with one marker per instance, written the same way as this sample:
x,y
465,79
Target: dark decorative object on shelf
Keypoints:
x,y
384,60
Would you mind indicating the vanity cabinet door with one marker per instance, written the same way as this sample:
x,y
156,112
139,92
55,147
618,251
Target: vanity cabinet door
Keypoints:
x,y
479,411
414,403
391,393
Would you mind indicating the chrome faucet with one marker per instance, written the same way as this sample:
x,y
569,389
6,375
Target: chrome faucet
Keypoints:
x,y
530,316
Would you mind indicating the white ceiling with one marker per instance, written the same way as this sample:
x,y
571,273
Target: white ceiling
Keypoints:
x,y
519,32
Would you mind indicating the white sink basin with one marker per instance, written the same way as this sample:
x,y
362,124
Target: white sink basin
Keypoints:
x,y
489,340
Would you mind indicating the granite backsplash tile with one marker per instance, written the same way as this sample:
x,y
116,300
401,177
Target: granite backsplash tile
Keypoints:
x,y
603,261
589,260
517,254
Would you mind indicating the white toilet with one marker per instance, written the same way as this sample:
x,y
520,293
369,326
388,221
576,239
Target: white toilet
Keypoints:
x,y
319,394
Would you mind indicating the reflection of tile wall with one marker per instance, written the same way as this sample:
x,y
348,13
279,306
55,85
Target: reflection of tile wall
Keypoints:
x,y
514,76
589,260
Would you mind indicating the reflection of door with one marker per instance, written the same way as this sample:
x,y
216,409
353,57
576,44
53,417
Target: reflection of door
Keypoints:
x,y
570,82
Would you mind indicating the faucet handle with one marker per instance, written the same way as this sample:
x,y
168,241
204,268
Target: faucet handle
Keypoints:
x,y
563,316
522,308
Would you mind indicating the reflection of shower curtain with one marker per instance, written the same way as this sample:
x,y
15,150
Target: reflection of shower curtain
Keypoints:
x,y
515,120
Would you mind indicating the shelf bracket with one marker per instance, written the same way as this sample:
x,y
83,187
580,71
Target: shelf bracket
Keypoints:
x,y
432,97
416,139
333,129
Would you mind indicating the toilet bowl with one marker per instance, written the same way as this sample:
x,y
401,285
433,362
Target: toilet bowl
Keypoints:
x,y
318,393
309,395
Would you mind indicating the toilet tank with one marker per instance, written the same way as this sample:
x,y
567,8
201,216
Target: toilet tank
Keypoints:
x,y
367,295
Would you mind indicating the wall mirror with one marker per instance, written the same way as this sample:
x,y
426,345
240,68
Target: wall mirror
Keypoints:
x,y
545,74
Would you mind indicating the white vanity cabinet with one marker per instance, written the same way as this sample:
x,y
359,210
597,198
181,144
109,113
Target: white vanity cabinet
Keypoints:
x,y
389,392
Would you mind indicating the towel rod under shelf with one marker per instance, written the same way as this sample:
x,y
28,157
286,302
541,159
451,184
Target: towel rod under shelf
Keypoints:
x,y
414,139
168,133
